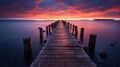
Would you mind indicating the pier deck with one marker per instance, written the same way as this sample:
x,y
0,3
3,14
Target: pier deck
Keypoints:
x,y
62,50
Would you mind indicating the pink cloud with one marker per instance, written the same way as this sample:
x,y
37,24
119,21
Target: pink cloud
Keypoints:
x,y
113,0
38,1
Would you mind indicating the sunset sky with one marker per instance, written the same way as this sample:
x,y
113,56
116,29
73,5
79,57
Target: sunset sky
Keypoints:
x,y
60,9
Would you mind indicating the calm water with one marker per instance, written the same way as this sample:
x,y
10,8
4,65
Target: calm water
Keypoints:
x,y
12,33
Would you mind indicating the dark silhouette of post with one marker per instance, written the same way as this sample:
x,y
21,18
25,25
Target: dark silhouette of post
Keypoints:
x,y
49,27
73,29
76,32
52,26
91,45
82,35
68,26
65,23
47,31
41,36
55,24
27,51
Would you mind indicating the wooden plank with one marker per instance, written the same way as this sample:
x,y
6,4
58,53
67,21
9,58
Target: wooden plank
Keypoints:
x,y
62,50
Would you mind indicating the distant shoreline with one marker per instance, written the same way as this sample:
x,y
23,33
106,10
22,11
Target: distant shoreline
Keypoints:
x,y
66,20
104,19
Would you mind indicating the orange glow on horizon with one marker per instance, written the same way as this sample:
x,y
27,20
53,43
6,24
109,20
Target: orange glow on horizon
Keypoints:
x,y
69,14
56,18
60,9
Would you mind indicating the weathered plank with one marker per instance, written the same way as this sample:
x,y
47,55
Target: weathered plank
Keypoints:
x,y
62,50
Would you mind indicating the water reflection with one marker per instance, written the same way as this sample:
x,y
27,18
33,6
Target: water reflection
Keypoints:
x,y
108,32
12,33
11,44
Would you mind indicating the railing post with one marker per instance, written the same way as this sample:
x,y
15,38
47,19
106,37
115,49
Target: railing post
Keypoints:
x,y
82,35
47,31
51,28
76,32
27,51
41,36
68,26
91,45
73,29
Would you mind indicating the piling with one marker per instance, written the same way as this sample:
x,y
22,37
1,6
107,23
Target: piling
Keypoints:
x,y
76,32
47,31
49,28
41,36
52,26
73,29
82,35
68,26
91,45
55,24
27,51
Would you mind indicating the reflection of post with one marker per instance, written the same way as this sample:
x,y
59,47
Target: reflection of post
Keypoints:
x,y
82,35
27,51
91,45
41,36
76,32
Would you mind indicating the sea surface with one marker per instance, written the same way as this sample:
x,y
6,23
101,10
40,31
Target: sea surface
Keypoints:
x,y
12,33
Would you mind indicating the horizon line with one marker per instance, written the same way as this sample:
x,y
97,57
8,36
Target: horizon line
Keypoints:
x,y
56,18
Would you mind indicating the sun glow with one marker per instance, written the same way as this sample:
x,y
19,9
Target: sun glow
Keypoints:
x,y
60,18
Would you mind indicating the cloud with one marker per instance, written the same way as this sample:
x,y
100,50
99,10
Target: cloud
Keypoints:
x,y
63,8
38,1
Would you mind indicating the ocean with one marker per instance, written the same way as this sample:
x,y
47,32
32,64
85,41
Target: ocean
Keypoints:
x,y
12,33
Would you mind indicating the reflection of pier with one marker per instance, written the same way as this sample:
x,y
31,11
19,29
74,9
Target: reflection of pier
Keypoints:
x,y
62,49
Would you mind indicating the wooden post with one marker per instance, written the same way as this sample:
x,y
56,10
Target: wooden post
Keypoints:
x,y
27,51
47,31
51,28
68,25
41,36
54,25
91,45
65,23
82,35
73,30
76,32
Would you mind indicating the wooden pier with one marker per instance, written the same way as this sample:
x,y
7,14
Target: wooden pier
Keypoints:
x,y
62,50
